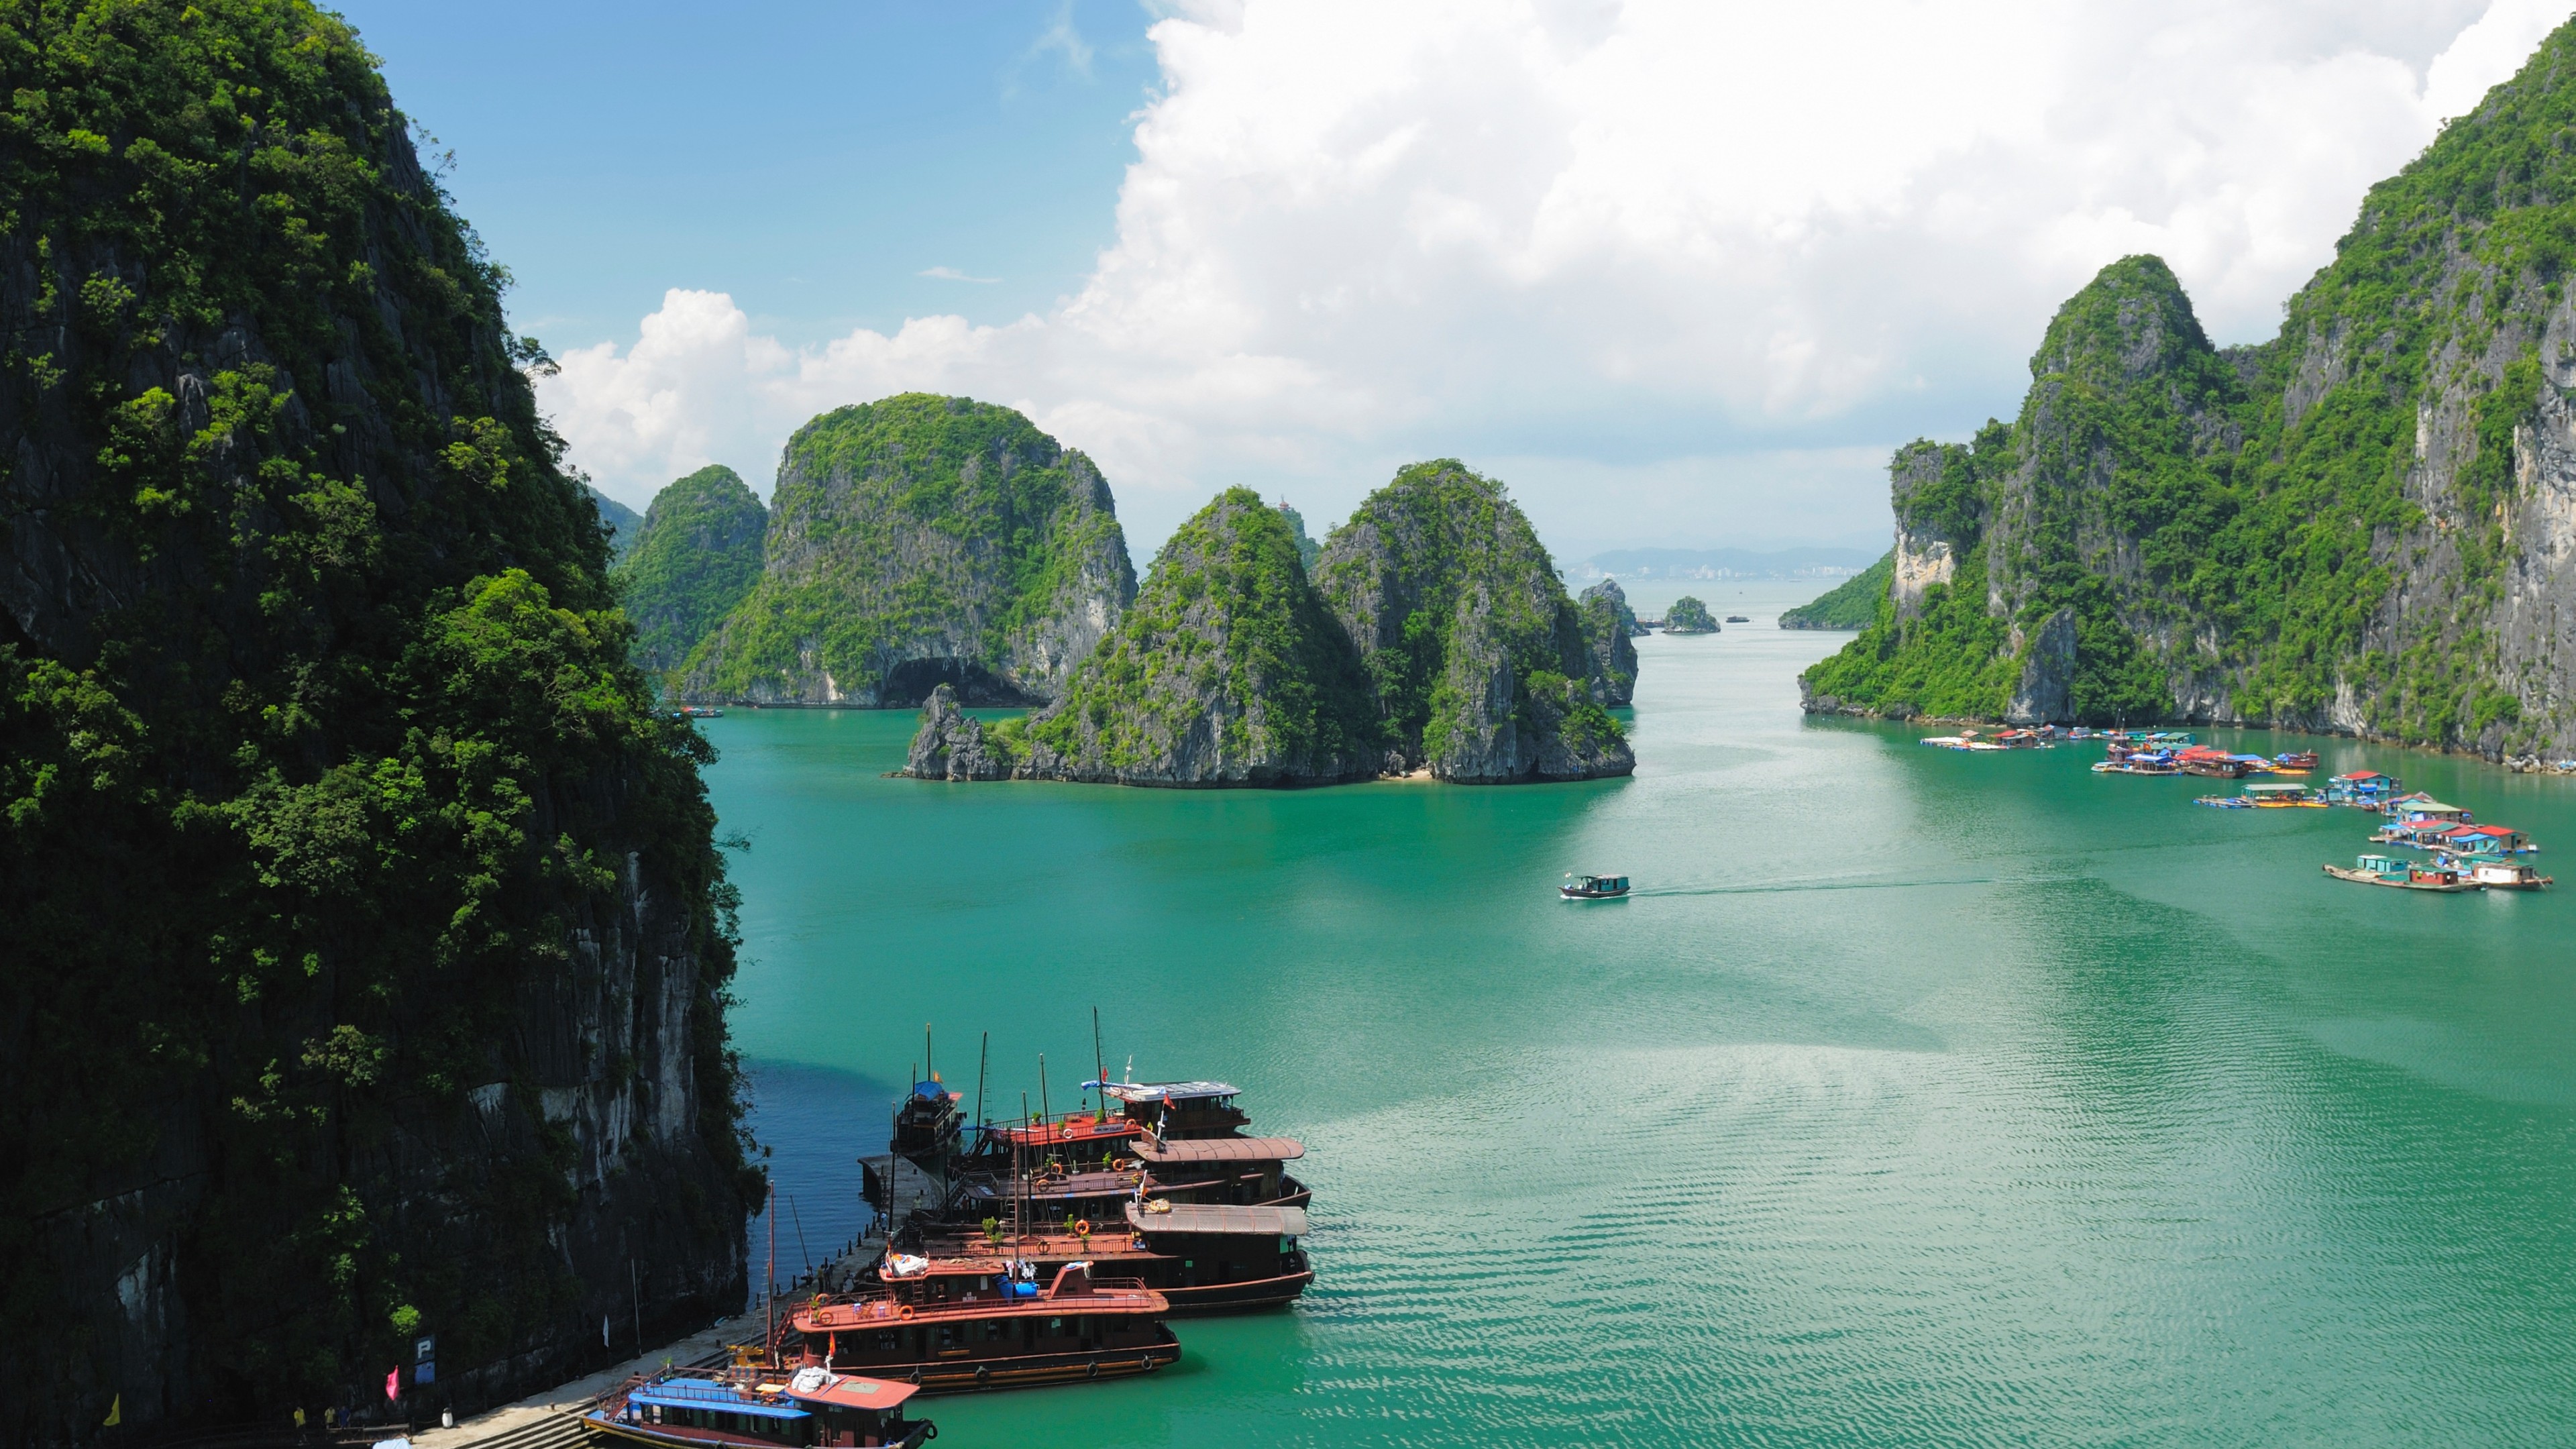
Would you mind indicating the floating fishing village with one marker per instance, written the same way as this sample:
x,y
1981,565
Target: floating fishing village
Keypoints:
x,y
2460,854
1045,1248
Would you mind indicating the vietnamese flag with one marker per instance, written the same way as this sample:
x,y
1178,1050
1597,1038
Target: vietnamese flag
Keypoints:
x,y
393,1383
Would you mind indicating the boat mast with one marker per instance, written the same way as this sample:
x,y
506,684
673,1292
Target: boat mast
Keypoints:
x,y
983,1055
1099,1067
768,1289
1044,1111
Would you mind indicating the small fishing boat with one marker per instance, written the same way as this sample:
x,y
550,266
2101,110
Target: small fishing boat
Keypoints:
x,y
2388,870
2225,802
2281,795
2296,760
755,1406
1737,619
1593,887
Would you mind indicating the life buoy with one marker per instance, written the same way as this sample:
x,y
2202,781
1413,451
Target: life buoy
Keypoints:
x,y
933,1434
1095,1370
983,1374
904,1312
1082,1227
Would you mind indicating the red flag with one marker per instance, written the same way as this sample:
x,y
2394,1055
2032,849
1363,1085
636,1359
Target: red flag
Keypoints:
x,y
393,1383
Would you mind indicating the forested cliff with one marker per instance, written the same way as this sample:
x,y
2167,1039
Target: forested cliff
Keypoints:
x,y
367,946
922,539
2366,525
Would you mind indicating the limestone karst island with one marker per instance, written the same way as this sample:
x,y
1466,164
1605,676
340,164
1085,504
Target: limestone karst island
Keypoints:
x,y
822,727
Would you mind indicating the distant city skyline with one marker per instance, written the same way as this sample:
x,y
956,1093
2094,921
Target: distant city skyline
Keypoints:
x,y
1690,272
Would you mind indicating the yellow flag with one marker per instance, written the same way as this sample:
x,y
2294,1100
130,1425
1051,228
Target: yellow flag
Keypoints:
x,y
115,1412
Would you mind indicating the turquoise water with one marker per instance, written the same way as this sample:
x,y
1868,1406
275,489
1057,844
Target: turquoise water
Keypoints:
x,y
1916,1098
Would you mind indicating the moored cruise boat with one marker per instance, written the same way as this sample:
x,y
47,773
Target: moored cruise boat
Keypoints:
x,y
810,1408
954,1326
1204,1258
926,1124
1178,1109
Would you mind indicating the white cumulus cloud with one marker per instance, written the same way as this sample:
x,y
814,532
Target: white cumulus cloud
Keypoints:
x,y
1692,266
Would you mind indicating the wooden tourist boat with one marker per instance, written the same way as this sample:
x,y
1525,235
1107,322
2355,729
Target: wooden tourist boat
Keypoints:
x,y
1177,1109
926,1124
2388,870
2281,795
2295,760
1593,887
953,1326
1204,1258
808,1408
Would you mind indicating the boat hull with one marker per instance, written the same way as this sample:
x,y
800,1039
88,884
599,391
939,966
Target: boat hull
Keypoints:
x,y
2363,877
1033,1370
1249,1296
601,1422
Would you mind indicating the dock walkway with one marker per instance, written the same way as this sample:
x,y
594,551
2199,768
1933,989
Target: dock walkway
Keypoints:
x,y
549,1420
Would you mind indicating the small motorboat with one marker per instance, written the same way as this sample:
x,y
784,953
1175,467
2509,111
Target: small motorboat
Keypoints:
x,y
1593,887
1737,619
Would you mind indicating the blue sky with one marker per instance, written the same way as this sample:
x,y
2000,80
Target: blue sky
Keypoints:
x,y
811,159
1681,272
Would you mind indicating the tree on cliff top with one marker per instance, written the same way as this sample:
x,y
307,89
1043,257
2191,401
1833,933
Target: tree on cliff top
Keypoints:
x,y
321,757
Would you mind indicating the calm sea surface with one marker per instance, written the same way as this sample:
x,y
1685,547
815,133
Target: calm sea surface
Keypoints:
x,y
1915,1098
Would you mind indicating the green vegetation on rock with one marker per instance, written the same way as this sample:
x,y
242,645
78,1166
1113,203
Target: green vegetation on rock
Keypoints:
x,y
1477,656
353,882
1610,631
696,555
622,523
1689,616
1227,669
1307,548
2362,525
918,539
1852,604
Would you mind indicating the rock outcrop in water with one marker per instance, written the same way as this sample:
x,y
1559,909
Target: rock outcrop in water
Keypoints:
x,y
1479,661
1689,616
1226,670
950,743
916,540
1610,628
2366,525
367,943
693,559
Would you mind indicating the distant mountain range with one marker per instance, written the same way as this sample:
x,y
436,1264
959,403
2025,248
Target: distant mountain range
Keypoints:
x,y
1726,563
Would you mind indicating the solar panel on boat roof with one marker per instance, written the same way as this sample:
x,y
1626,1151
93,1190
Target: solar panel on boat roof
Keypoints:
x,y
1167,1091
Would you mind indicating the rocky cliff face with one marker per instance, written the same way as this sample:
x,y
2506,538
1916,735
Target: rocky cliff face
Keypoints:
x,y
2359,527
1478,657
916,540
1227,670
368,941
1609,630
694,558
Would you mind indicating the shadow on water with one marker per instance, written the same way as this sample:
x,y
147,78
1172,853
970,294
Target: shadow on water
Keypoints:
x,y
813,1124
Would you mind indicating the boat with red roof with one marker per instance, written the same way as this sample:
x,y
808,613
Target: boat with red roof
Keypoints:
x,y
957,1325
